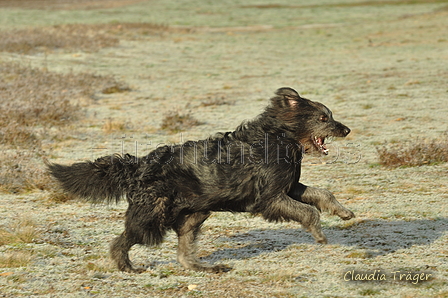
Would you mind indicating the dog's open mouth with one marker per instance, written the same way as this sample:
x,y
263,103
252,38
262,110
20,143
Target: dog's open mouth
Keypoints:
x,y
319,143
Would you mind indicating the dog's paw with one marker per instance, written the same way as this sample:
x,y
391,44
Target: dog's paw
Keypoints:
x,y
134,270
322,241
346,214
221,268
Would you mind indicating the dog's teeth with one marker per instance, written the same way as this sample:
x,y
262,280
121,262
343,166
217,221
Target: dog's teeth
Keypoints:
x,y
320,144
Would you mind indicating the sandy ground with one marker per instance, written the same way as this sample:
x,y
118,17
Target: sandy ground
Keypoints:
x,y
383,71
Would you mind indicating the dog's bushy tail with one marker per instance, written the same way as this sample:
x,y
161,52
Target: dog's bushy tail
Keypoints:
x,y
104,180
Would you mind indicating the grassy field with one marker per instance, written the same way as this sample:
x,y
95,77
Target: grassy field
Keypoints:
x,y
83,79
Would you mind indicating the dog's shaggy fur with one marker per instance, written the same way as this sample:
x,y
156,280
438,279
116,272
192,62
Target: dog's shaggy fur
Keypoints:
x,y
255,169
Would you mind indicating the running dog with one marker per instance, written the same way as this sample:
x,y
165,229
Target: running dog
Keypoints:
x,y
255,169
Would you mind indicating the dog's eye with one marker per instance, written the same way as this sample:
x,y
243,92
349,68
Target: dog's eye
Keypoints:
x,y
323,118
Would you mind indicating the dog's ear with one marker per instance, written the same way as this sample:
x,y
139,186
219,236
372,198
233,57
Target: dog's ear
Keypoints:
x,y
290,96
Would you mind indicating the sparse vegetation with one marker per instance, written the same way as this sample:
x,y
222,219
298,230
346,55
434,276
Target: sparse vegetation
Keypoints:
x,y
58,196
33,97
28,41
176,122
417,153
70,37
111,126
343,4
21,170
21,230
369,292
359,254
67,4
15,259
33,101
367,106
115,89
100,265
216,102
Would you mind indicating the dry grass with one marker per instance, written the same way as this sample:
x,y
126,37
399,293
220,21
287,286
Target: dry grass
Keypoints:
x,y
32,96
70,37
417,153
132,29
59,196
216,102
33,101
115,89
21,170
349,4
73,37
111,126
16,259
101,265
67,4
175,122
22,230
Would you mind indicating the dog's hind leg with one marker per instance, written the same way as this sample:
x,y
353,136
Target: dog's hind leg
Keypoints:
x,y
284,208
187,228
144,225
119,249
323,199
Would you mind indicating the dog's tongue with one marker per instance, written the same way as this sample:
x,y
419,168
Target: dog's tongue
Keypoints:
x,y
320,144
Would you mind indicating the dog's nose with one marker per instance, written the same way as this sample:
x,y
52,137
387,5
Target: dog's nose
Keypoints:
x,y
346,130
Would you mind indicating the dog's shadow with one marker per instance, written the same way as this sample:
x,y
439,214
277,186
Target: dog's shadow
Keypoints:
x,y
376,237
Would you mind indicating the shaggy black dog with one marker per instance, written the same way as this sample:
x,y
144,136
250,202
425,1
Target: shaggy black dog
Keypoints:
x,y
255,169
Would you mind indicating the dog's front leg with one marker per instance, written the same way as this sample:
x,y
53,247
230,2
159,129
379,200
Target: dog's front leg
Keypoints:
x,y
323,199
284,208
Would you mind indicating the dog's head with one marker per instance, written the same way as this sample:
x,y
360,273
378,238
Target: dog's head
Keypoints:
x,y
311,122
